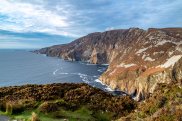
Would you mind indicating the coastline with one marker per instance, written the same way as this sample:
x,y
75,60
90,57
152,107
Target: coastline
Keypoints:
x,y
107,89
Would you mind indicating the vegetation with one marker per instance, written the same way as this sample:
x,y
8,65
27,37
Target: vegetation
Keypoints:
x,y
57,102
81,102
165,104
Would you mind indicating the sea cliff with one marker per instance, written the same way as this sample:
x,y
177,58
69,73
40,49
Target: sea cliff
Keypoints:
x,y
138,59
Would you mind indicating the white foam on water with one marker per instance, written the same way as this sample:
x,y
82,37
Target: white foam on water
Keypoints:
x,y
54,73
107,87
95,76
84,78
97,80
90,64
100,70
80,74
105,64
64,73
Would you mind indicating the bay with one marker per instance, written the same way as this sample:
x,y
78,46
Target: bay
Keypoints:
x,y
20,67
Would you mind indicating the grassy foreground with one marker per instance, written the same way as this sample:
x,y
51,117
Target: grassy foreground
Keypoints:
x,y
61,102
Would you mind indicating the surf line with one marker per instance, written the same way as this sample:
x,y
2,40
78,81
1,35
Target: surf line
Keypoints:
x,y
54,73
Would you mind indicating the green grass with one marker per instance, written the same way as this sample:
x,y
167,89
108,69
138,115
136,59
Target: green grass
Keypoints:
x,y
82,114
166,118
103,116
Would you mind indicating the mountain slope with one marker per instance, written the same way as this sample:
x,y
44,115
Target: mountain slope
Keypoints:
x,y
138,59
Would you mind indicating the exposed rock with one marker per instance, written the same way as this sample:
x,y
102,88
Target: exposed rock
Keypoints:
x,y
138,59
163,105
177,71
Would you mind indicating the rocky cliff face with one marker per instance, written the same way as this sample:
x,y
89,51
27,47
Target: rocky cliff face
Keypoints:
x,y
138,59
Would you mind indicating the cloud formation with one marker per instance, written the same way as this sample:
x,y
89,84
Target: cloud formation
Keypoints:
x,y
75,18
34,40
19,16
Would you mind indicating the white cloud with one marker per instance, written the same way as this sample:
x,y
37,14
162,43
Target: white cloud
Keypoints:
x,y
22,17
109,28
17,45
75,18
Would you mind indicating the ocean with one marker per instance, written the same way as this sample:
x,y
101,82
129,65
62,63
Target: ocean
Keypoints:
x,y
20,67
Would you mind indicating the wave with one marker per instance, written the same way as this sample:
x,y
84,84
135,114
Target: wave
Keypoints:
x,y
96,76
64,73
105,64
54,73
99,81
107,87
84,77
101,70
90,64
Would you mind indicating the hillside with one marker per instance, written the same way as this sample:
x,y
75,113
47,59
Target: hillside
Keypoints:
x,y
73,102
138,59
58,102
165,104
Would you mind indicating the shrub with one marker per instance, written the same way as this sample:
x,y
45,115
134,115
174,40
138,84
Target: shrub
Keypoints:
x,y
14,108
34,117
103,116
48,107
9,108
3,106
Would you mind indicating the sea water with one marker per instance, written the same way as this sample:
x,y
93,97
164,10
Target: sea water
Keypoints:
x,y
20,67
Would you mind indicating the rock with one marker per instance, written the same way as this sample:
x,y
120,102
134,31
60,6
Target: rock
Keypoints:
x,y
138,59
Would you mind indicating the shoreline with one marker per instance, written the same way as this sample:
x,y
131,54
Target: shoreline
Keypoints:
x,y
107,89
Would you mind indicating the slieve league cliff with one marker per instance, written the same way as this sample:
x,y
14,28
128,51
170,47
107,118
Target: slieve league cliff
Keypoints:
x,y
138,59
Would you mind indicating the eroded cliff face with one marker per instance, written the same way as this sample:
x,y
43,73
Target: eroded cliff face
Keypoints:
x,y
138,59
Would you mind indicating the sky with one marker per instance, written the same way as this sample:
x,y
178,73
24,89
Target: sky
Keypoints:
x,y
41,23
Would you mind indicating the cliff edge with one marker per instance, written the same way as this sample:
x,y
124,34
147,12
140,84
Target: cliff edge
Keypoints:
x,y
138,59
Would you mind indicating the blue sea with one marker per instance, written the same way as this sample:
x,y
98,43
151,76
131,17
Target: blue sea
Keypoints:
x,y
20,67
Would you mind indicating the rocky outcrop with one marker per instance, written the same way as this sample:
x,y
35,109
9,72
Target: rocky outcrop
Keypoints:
x,y
177,71
163,105
138,59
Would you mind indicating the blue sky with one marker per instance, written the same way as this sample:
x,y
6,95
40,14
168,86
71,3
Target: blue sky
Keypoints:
x,y
40,23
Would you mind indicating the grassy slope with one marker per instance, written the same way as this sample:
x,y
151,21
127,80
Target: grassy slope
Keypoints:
x,y
57,102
